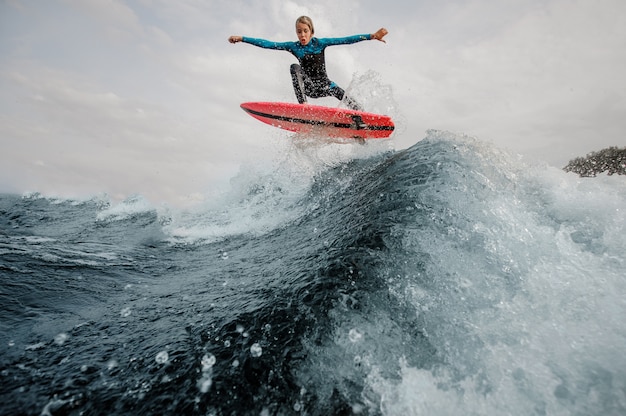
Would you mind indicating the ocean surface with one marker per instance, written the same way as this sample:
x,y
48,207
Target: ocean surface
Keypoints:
x,y
450,278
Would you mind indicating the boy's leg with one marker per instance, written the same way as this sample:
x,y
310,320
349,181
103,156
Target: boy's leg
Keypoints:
x,y
340,94
298,83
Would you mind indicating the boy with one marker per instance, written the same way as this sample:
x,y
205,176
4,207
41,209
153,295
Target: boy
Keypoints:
x,y
309,76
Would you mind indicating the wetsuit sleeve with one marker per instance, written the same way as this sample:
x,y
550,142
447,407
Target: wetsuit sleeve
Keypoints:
x,y
267,44
345,40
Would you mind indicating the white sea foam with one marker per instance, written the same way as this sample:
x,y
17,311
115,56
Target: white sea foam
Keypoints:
x,y
528,312
264,197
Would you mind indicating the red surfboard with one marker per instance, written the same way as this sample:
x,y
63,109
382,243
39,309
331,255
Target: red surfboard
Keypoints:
x,y
323,121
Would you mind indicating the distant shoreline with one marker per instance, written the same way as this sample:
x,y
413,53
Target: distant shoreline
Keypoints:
x,y
611,160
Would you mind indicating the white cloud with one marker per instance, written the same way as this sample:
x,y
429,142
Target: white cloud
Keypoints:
x,y
110,13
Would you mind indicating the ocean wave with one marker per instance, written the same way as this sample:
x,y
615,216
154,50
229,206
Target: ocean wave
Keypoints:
x,y
450,277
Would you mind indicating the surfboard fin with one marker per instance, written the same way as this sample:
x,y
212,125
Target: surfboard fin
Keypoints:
x,y
358,122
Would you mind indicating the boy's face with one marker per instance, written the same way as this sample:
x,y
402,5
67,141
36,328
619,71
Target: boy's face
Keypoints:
x,y
304,33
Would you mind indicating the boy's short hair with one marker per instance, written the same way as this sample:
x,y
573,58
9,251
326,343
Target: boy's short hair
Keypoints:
x,y
307,21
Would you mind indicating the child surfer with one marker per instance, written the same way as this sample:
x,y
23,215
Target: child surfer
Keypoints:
x,y
309,76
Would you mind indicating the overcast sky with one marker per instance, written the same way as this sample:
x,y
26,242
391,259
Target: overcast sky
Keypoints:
x,y
142,96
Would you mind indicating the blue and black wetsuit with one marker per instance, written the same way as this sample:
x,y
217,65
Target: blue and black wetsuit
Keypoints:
x,y
309,77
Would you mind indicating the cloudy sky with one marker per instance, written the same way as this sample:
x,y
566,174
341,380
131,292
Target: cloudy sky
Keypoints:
x,y
142,96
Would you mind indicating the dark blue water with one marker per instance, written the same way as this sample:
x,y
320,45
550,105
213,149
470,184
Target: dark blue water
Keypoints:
x,y
448,278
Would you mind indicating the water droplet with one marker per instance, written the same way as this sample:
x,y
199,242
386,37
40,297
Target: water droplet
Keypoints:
x,y
236,363
354,335
61,338
208,361
240,328
204,384
162,357
256,350
111,364
227,343
225,255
